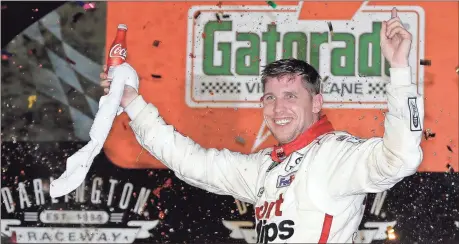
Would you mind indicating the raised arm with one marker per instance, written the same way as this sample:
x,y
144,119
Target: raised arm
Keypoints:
x,y
218,171
377,164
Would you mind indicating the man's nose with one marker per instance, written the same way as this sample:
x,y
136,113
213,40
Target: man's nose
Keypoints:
x,y
279,105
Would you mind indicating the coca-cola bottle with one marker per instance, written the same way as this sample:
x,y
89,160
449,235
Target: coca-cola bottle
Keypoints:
x,y
118,50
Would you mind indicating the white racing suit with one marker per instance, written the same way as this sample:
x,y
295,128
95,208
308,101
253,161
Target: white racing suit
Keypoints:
x,y
316,194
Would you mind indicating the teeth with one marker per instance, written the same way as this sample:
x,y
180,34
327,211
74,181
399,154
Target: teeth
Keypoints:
x,y
282,121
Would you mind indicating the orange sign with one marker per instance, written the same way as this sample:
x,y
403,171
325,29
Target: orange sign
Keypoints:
x,y
210,56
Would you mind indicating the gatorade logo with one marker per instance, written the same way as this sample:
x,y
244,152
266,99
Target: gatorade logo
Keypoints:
x,y
230,53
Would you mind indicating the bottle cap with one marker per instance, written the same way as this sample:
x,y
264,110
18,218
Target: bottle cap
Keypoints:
x,y
122,26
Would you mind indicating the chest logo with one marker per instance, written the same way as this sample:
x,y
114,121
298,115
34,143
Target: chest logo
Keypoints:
x,y
285,180
293,162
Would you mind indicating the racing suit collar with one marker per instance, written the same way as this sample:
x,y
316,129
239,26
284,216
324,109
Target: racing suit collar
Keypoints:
x,y
322,126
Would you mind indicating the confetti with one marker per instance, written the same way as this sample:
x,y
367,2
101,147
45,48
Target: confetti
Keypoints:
x,y
88,6
155,76
32,51
325,79
81,3
428,134
226,16
77,16
203,35
218,18
70,61
196,15
272,4
192,55
35,9
450,168
449,148
330,27
240,140
156,43
145,26
6,55
425,62
32,99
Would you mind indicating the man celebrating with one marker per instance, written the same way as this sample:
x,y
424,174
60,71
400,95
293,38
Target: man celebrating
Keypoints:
x,y
311,188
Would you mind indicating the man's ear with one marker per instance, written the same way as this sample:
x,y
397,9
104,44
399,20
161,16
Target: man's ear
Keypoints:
x,y
317,102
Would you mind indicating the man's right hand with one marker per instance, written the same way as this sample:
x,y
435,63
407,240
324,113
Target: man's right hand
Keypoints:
x,y
129,93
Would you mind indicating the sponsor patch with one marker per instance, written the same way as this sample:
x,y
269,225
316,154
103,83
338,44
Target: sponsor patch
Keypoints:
x,y
260,192
415,121
293,161
285,180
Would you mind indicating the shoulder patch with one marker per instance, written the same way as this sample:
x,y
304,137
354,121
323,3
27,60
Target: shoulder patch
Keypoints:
x,y
350,138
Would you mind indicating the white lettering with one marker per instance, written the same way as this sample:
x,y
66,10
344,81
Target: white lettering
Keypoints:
x,y
7,199
38,189
141,200
95,193
378,203
241,207
54,200
79,193
249,235
145,227
112,190
23,197
118,51
382,228
126,195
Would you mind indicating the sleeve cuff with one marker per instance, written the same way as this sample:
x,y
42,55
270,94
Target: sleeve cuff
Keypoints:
x,y
400,76
134,108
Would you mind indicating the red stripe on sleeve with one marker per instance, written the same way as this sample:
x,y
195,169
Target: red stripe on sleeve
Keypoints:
x,y
326,228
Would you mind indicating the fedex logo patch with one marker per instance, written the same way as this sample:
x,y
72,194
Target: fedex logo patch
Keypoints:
x,y
285,180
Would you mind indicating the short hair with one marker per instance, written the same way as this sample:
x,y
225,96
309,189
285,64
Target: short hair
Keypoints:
x,y
310,76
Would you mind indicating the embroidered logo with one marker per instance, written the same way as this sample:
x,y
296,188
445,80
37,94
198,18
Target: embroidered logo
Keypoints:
x,y
415,121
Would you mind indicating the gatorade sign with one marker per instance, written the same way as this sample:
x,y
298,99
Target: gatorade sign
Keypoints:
x,y
211,55
229,53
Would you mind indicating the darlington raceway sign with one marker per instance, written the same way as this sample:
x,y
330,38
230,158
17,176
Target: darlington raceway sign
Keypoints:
x,y
135,229
228,54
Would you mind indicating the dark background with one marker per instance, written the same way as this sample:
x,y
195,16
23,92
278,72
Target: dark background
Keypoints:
x,y
16,16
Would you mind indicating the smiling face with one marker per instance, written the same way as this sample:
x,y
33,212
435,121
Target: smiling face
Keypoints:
x,y
291,103
288,107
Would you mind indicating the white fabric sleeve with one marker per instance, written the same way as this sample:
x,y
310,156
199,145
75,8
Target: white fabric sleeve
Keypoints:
x,y
219,171
377,164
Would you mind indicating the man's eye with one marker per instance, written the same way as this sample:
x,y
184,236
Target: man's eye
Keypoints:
x,y
269,97
290,96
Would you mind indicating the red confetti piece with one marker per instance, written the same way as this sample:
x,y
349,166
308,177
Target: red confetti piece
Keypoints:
x,y
197,14
192,55
156,192
88,6
168,183
161,215
70,61
35,9
5,57
203,35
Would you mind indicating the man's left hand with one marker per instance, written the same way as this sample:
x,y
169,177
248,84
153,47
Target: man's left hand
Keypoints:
x,y
395,41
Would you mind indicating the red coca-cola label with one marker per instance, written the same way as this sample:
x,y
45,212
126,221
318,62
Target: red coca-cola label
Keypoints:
x,y
117,51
